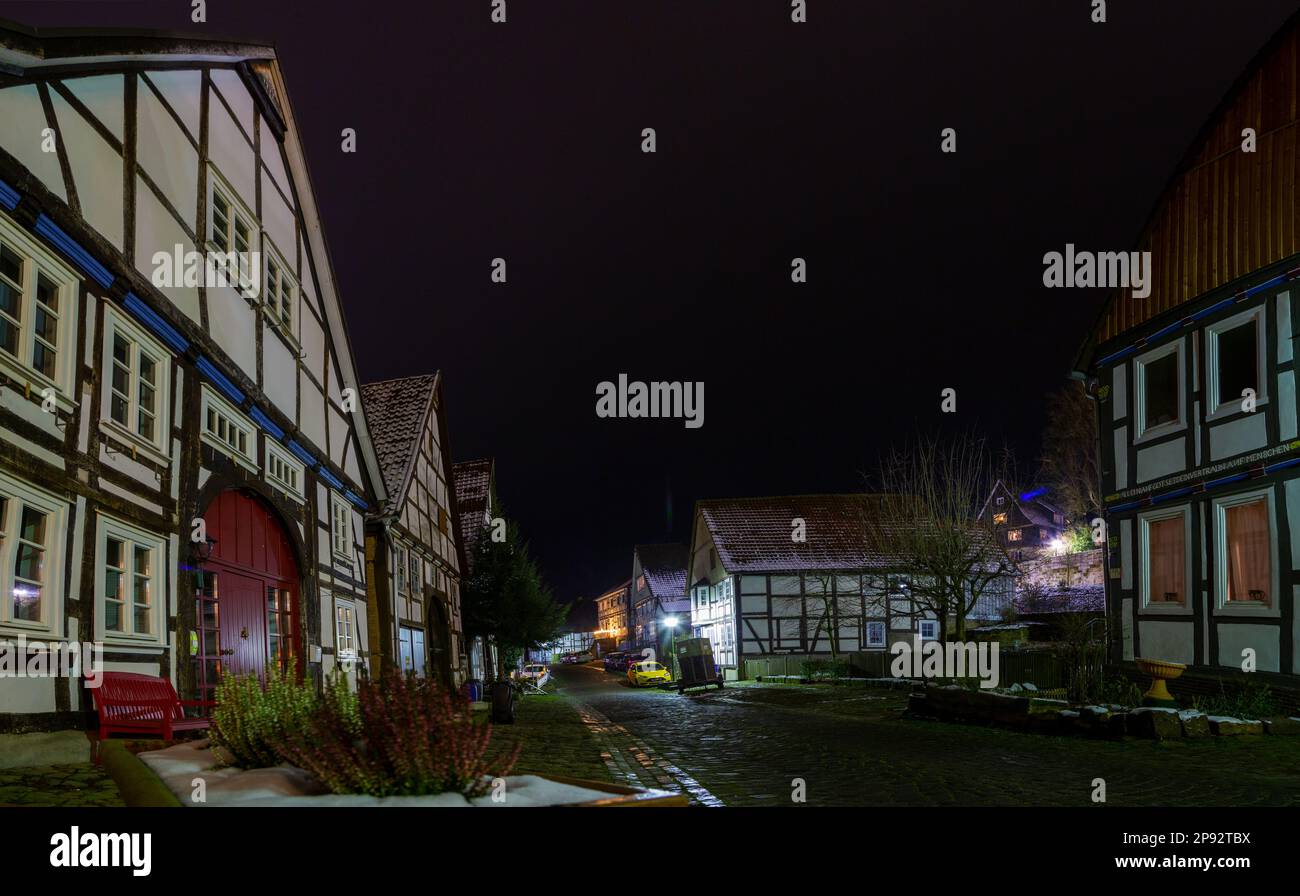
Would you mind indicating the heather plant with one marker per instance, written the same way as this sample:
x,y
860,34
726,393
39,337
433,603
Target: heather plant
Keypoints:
x,y
402,736
249,719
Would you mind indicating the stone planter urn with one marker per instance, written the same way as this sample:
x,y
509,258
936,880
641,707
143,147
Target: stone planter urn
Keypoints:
x,y
1160,671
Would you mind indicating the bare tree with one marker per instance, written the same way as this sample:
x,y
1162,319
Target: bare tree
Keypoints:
x,y
818,607
1068,464
925,528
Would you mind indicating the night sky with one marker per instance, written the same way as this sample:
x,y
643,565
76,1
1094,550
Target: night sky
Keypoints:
x,y
775,140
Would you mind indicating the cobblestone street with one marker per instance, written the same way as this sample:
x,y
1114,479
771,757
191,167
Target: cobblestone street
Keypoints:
x,y
746,745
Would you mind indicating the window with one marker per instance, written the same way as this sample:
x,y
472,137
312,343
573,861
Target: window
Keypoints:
x,y
230,233
1013,535
875,634
283,470
37,293
400,565
129,582
136,389
1160,390
279,291
1243,551
230,431
32,524
1001,500
280,631
341,527
1234,350
1163,548
345,633
928,629
1000,519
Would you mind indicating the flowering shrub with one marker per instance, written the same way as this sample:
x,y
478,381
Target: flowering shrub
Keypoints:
x,y
248,719
406,737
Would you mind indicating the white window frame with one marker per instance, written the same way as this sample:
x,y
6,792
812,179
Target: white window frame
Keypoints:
x,y
238,209
1215,408
36,258
277,455
272,255
1142,431
235,418
1186,608
345,630
116,323
18,493
921,625
870,643
131,537
341,536
1219,532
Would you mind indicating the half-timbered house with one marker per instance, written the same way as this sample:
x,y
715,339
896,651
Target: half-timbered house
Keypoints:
x,y
474,484
659,600
413,553
184,467
1195,386
1026,524
791,576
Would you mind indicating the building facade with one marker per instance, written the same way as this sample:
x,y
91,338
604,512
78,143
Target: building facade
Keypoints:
x,y
184,465
413,553
1195,389
660,608
474,484
613,609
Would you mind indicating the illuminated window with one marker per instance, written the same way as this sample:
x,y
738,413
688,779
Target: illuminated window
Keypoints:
x,y
129,581
32,529
1164,558
1014,535
1000,519
1243,550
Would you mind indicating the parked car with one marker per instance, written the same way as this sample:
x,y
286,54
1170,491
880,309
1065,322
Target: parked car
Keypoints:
x,y
569,659
616,662
648,672
535,673
583,658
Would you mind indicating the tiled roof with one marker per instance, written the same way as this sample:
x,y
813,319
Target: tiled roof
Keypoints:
x,y
755,534
472,480
664,566
395,412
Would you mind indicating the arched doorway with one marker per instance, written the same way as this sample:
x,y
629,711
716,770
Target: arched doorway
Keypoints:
x,y
248,604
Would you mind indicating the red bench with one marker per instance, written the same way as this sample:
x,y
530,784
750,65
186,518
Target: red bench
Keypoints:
x,y
130,703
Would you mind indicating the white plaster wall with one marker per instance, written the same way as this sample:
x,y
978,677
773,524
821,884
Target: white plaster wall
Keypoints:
x,y
24,120
1263,639
96,171
1167,640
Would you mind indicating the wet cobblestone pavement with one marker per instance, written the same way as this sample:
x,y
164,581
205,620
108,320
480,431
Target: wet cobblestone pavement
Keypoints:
x,y
58,785
747,745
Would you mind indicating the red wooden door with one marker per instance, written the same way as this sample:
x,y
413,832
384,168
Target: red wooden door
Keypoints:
x,y
243,623
257,585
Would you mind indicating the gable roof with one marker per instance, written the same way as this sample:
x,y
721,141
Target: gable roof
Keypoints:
x,y
398,411
472,482
1038,510
754,534
1208,229
664,567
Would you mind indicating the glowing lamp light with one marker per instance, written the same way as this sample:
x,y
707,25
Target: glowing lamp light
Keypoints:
x,y
1057,545
670,621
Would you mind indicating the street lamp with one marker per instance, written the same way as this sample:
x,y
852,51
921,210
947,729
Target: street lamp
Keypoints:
x,y
670,623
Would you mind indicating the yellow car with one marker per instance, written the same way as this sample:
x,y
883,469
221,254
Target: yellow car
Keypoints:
x,y
646,673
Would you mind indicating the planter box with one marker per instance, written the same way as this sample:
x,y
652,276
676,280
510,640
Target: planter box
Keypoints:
x,y
141,785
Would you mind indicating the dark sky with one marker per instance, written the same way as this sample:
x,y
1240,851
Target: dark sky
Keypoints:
x,y
776,140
